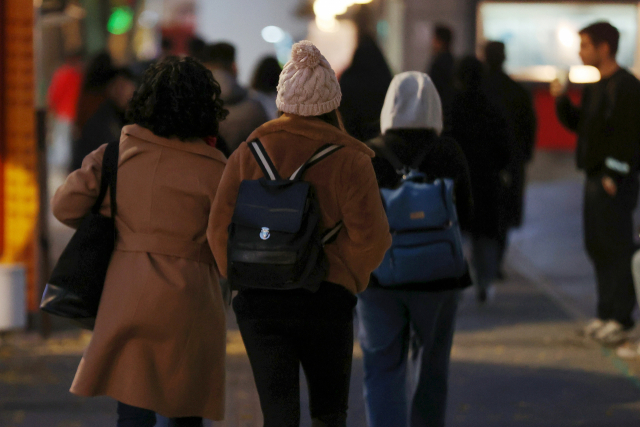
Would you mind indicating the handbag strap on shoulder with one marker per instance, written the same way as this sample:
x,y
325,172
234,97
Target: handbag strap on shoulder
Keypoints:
x,y
109,177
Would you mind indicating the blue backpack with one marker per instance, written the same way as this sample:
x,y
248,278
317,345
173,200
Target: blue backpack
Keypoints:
x,y
426,239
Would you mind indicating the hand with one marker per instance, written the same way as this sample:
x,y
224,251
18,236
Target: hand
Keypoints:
x,y
609,186
556,88
505,178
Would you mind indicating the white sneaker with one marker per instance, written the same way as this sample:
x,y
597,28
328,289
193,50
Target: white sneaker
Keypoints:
x,y
629,350
612,333
592,328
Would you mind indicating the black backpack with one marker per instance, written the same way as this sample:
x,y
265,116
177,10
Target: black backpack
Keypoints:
x,y
275,239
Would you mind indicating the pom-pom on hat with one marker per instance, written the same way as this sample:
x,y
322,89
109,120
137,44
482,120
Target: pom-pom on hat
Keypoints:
x,y
307,86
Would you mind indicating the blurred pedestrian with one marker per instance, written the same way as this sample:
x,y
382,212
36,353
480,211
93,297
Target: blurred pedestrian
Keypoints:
x,y
364,85
245,112
106,123
283,329
516,106
196,48
264,84
62,100
159,339
482,132
98,74
389,317
608,126
166,48
441,69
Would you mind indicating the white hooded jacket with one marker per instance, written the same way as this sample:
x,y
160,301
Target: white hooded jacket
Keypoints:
x,y
412,102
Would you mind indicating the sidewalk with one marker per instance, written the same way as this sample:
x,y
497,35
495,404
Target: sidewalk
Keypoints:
x,y
515,361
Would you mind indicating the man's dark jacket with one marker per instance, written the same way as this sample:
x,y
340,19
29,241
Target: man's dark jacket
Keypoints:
x,y
608,125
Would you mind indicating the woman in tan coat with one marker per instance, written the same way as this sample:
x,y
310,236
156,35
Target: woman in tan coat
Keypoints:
x,y
159,338
283,329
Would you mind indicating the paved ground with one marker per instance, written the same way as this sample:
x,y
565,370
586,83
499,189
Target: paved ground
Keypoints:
x,y
515,361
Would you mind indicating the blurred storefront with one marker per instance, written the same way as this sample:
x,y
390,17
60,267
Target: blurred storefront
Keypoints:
x,y
542,44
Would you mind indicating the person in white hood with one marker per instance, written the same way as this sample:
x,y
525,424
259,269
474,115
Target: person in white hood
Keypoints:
x,y
418,314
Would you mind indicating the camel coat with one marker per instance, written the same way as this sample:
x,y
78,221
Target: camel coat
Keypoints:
x,y
345,184
159,341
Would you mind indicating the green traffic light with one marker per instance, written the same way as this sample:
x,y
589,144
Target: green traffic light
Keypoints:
x,y
120,21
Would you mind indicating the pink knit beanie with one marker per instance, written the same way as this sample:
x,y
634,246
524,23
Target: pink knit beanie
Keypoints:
x,y
308,86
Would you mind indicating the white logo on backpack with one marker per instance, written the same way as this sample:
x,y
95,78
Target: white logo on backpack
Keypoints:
x,y
264,233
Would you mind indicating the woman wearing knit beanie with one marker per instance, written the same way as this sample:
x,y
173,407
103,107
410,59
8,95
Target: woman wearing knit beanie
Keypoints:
x,y
284,329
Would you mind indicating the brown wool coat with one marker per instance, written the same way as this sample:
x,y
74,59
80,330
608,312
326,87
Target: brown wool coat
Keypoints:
x,y
345,184
159,339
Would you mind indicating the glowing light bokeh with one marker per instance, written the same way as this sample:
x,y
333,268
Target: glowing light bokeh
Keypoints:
x,y
583,74
273,34
327,10
567,37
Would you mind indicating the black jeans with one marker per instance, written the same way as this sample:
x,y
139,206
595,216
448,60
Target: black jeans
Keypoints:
x,y
283,330
608,235
131,416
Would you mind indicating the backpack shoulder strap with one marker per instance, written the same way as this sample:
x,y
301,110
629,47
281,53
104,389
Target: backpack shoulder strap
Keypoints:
x,y
420,158
383,150
320,154
380,148
109,177
263,159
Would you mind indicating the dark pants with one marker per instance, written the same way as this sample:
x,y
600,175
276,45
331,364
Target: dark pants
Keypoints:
x,y
486,260
131,416
283,330
608,235
392,322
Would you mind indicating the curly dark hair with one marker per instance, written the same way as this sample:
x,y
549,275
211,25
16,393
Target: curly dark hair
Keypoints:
x,y
178,98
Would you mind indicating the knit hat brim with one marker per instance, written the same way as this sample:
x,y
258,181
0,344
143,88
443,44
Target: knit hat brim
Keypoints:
x,y
309,109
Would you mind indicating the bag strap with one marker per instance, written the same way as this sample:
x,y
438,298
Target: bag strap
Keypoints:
x,y
379,145
320,154
268,169
109,177
331,234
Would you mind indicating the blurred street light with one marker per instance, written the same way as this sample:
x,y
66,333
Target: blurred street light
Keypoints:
x,y
568,37
149,19
327,10
273,34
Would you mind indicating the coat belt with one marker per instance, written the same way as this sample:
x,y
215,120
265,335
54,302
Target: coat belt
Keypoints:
x,y
155,244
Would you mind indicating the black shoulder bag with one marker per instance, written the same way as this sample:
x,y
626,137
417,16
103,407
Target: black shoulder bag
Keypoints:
x,y
76,283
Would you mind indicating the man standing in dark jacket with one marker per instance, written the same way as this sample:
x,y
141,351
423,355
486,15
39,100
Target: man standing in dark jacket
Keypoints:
x,y
608,127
